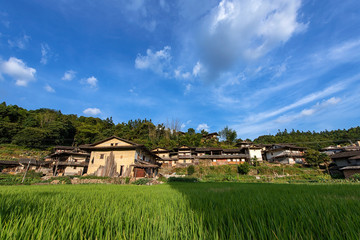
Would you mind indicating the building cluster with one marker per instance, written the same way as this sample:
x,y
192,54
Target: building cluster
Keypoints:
x,y
117,157
346,159
245,152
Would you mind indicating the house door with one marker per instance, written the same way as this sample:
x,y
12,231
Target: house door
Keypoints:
x,y
139,172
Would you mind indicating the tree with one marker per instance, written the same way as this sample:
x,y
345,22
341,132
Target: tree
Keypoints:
x,y
191,131
228,134
315,158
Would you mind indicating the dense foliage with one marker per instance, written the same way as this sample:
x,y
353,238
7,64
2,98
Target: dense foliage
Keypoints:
x,y
44,128
181,211
313,140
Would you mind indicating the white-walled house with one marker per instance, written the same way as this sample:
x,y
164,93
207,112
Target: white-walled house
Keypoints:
x,y
285,154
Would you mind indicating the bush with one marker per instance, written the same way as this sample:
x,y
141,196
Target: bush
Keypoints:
x,y
243,168
355,177
175,179
190,170
142,181
162,179
127,180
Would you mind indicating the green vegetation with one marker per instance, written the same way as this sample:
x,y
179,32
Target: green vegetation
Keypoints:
x,y
181,211
44,128
264,172
12,151
141,181
313,140
243,168
190,170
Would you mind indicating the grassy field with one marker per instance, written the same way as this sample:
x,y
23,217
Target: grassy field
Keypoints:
x,y
181,211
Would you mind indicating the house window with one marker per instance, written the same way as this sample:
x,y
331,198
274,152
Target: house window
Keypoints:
x,y
116,144
92,161
112,144
101,156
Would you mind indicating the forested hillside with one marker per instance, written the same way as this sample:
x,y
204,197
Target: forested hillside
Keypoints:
x,y
44,128
314,140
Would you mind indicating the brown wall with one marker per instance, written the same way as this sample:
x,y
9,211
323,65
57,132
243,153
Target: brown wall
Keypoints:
x,y
348,173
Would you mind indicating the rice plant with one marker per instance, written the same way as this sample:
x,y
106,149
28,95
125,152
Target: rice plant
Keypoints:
x,y
181,211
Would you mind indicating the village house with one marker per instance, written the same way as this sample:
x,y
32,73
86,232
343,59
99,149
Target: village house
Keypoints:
x,y
25,164
117,157
348,162
68,161
211,136
285,154
185,154
219,156
165,158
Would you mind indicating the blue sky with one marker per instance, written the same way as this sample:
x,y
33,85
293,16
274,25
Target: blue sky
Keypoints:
x,y
256,66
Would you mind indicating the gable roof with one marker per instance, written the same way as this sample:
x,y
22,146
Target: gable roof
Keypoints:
x,y
112,137
348,154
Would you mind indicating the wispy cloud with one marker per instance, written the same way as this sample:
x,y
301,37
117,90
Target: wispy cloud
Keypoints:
x,y
20,42
45,51
18,70
69,75
305,100
48,88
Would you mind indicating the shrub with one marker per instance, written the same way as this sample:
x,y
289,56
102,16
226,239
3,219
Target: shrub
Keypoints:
x,y
243,168
142,181
190,170
355,177
162,179
175,179
127,180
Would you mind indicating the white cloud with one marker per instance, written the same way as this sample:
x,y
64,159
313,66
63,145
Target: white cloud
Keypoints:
x,y
92,82
309,111
18,70
245,30
254,129
45,49
197,69
48,88
19,42
69,75
92,111
307,99
203,126
157,61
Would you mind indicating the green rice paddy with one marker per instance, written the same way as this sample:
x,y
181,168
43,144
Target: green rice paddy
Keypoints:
x,y
181,211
